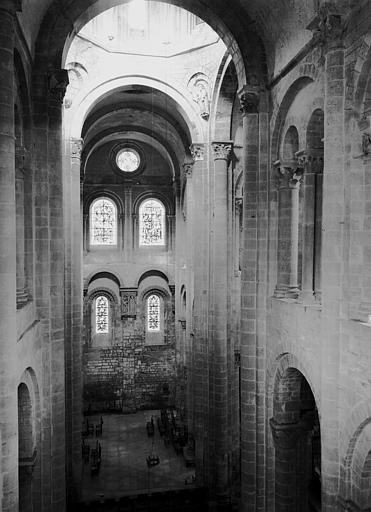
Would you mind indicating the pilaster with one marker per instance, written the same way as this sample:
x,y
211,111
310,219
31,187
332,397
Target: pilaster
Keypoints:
x,y
57,81
8,330
73,303
254,271
329,28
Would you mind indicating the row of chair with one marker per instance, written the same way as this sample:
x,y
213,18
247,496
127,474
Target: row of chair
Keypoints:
x,y
94,455
90,428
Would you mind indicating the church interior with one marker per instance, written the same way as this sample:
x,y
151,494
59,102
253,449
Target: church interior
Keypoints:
x,y
185,263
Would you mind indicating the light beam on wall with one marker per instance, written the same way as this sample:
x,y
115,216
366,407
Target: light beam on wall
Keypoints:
x,y
137,14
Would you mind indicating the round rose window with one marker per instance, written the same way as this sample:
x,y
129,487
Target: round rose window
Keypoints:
x,y
128,160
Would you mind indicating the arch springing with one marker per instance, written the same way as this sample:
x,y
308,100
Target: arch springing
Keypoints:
x,y
152,223
103,222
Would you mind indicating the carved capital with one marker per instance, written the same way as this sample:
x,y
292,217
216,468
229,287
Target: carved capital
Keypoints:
x,y
288,174
197,151
188,169
76,148
285,436
310,160
249,96
222,150
57,84
238,204
328,26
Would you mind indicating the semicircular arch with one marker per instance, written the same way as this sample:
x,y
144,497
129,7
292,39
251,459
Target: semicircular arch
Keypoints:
x,y
95,95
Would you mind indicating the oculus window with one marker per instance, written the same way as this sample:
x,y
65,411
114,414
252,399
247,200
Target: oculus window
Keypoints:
x,y
101,315
152,223
128,160
103,222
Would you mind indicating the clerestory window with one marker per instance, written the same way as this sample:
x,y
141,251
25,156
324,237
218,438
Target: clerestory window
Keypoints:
x,y
103,222
151,223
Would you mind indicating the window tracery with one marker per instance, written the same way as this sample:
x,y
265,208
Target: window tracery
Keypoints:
x,y
151,223
101,315
103,222
153,313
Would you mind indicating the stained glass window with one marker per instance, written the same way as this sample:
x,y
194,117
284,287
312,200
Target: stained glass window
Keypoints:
x,y
101,315
153,313
103,223
151,223
128,160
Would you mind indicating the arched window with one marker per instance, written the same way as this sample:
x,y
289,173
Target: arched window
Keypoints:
x,y
153,313
103,222
101,315
151,223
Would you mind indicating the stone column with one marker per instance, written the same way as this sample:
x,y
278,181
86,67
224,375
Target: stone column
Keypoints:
x,y
238,227
8,330
57,83
86,228
22,295
286,439
219,320
311,161
76,310
289,176
249,98
188,323
254,271
197,313
328,29
128,225
364,125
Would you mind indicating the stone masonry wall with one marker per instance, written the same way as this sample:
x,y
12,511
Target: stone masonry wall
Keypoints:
x,y
129,376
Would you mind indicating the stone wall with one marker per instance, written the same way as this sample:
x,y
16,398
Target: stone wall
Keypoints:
x,y
129,376
127,372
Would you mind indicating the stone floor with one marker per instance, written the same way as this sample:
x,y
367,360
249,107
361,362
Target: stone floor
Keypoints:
x,y
123,471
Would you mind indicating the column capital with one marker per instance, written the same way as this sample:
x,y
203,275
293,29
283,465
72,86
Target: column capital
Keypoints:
x,y
197,150
11,6
57,83
222,150
328,26
188,169
288,174
310,160
238,204
249,96
76,148
285,436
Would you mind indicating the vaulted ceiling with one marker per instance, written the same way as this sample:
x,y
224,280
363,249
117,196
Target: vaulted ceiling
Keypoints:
x,y
280,24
